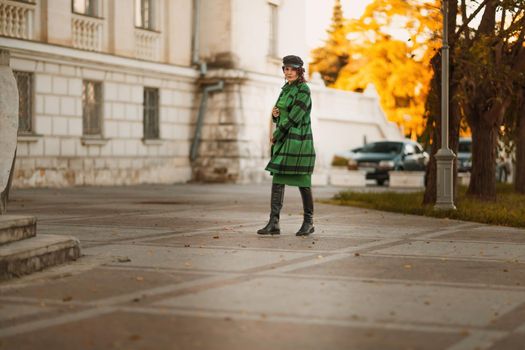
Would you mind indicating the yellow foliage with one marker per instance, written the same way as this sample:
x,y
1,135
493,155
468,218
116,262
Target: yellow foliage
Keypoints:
x,y
390,46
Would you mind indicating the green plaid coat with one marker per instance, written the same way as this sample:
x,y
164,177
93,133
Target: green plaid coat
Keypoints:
x,y
293,151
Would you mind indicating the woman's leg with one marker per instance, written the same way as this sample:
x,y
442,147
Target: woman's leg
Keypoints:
x,y
308,207
276,203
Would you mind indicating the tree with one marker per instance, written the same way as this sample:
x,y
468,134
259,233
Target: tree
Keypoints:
x,y
330,58
491,62
398,67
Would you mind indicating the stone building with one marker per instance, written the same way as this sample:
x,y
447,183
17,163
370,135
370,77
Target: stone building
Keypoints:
x,y
162,91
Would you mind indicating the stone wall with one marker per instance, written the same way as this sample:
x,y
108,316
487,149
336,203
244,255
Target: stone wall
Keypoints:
x,y
57,155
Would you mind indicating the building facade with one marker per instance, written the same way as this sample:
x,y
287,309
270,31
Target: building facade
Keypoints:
x,y
162,91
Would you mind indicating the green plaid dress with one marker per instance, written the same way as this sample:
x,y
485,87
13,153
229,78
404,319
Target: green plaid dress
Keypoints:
x,y
293,154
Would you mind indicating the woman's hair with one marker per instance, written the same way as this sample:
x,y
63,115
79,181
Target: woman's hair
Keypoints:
x,y
300,74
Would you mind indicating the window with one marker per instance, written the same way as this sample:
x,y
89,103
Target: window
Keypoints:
x,y
24,81
86,7
145,14
151,113
92,108
409,149
272,48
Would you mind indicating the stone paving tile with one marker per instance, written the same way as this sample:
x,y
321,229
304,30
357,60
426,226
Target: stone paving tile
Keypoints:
x,y
458,249
241,291
339,299
99,233
130,330
240,240
99,283
487,234
195,258
422,270
145,221
38,311
512,342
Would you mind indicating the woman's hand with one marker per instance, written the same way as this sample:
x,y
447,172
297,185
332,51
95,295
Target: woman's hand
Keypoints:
x,y
275,112
272,140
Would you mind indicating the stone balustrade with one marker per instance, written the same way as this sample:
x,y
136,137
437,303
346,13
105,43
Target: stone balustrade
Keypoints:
x,y
87,32
16,19
147,44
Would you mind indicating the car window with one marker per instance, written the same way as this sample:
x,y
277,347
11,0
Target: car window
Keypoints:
x,y
383,147
465,146
419,149
409,149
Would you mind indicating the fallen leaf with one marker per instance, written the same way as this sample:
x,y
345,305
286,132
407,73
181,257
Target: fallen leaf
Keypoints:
x,y
215,237
408,266
67,298
123,259
135,337
187,245
140,278
357,254
465,332
319,257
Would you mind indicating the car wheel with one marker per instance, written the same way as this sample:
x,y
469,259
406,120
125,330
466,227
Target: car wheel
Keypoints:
x,y
380,182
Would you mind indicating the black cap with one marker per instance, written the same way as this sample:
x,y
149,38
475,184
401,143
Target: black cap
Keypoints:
x,y
294,61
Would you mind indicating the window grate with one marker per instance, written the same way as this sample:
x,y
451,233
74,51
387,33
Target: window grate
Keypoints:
x,y
151,113
91,108
24,81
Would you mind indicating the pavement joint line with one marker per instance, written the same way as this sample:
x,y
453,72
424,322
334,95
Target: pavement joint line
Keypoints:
x,y
332,256
296,275
234,248
46,323
448,258
252,316
520,329
479,340
446,240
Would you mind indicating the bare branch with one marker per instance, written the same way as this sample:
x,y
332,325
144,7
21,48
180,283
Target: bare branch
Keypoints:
x,y
464,26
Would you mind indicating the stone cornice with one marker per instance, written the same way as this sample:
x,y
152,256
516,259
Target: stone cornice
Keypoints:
x,y
93,60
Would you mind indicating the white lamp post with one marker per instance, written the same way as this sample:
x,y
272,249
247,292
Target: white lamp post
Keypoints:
x,y
445,157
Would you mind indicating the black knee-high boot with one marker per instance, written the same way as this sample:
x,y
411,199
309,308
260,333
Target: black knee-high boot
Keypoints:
x,y
308,206
276,203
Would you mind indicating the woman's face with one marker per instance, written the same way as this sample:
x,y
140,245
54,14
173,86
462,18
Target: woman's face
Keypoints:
x,y
290,73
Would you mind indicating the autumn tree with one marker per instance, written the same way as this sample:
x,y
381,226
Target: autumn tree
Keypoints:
x,y
330,58
398,67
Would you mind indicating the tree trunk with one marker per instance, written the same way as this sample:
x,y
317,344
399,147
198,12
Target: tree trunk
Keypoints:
x,y
519,185
483,175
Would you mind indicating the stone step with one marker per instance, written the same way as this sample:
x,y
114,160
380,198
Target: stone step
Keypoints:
x,y
16,227
36,253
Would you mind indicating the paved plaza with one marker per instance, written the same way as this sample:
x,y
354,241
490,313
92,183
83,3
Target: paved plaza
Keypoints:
x,y
180,267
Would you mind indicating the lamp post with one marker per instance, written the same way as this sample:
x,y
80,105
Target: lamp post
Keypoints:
x,y
445,157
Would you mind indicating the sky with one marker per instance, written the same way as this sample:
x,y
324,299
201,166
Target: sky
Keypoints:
x,y
319,14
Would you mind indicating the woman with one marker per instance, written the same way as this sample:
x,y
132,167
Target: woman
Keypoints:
x,y
293,154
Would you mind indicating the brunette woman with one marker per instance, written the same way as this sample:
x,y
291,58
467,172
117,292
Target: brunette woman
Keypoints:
x,y
293,154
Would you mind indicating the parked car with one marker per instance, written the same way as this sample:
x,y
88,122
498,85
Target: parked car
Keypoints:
x,y
378,158
464,158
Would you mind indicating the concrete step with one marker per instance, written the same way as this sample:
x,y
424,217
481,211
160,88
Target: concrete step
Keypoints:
x,y
16,227
36,253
